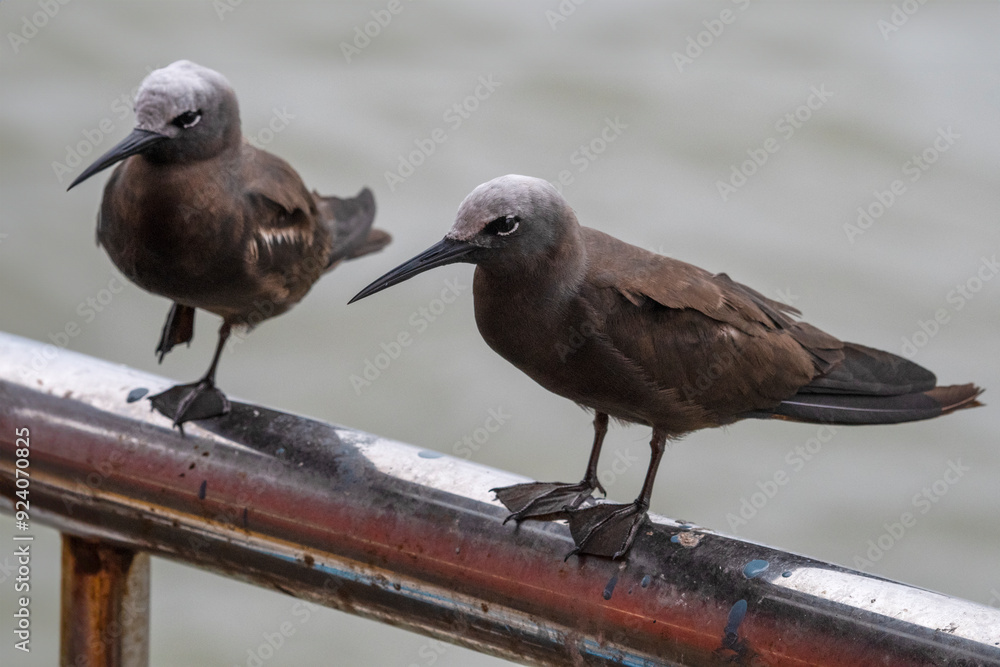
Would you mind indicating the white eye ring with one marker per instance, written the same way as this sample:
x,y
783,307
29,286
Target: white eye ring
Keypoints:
x,y
513,229
179,120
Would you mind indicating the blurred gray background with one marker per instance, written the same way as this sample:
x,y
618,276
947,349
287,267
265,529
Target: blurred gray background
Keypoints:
x,y
696,89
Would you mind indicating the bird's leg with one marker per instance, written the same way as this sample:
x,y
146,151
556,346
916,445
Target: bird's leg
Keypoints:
x,y
198,400
607,529
539,499
179,328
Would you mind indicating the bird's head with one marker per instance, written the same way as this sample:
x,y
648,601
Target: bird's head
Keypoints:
x,y
184,113
511,221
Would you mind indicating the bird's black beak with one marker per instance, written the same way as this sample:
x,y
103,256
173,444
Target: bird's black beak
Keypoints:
x,y
446,251
136,142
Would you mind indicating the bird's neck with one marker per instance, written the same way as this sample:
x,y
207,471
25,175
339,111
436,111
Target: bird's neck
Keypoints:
x,y
524,302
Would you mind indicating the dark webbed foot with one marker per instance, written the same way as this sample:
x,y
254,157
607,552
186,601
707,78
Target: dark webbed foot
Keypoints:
x,y
543,499
188,402
606,529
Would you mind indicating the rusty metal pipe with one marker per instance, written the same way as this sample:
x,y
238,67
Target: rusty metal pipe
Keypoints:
x,y
414,538
105,605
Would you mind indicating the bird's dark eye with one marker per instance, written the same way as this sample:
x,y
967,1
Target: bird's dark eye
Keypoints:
x,y
187,119
504,226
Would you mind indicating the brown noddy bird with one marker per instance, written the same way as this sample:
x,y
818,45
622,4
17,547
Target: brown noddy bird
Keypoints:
x,y
198,215
628,334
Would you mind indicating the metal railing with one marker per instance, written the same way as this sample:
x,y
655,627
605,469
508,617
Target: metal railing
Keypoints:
x,y
412,538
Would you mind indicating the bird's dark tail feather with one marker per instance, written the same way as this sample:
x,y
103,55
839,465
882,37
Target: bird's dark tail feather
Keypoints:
x,y
350,222
869,386
869,409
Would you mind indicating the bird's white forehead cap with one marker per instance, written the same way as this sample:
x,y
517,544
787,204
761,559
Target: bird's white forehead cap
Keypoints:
x,y
172,90
507,195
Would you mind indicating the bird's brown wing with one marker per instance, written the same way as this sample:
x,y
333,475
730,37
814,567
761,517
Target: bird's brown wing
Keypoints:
x,y
699,337
695,359
737,353
639,275
267,175
285,244
284,231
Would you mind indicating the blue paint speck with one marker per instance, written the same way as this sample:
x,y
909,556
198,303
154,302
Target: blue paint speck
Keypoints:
x,y
786,573
136,394
610,588
754,567
645,581
736,614
676,539
429,454
280,451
